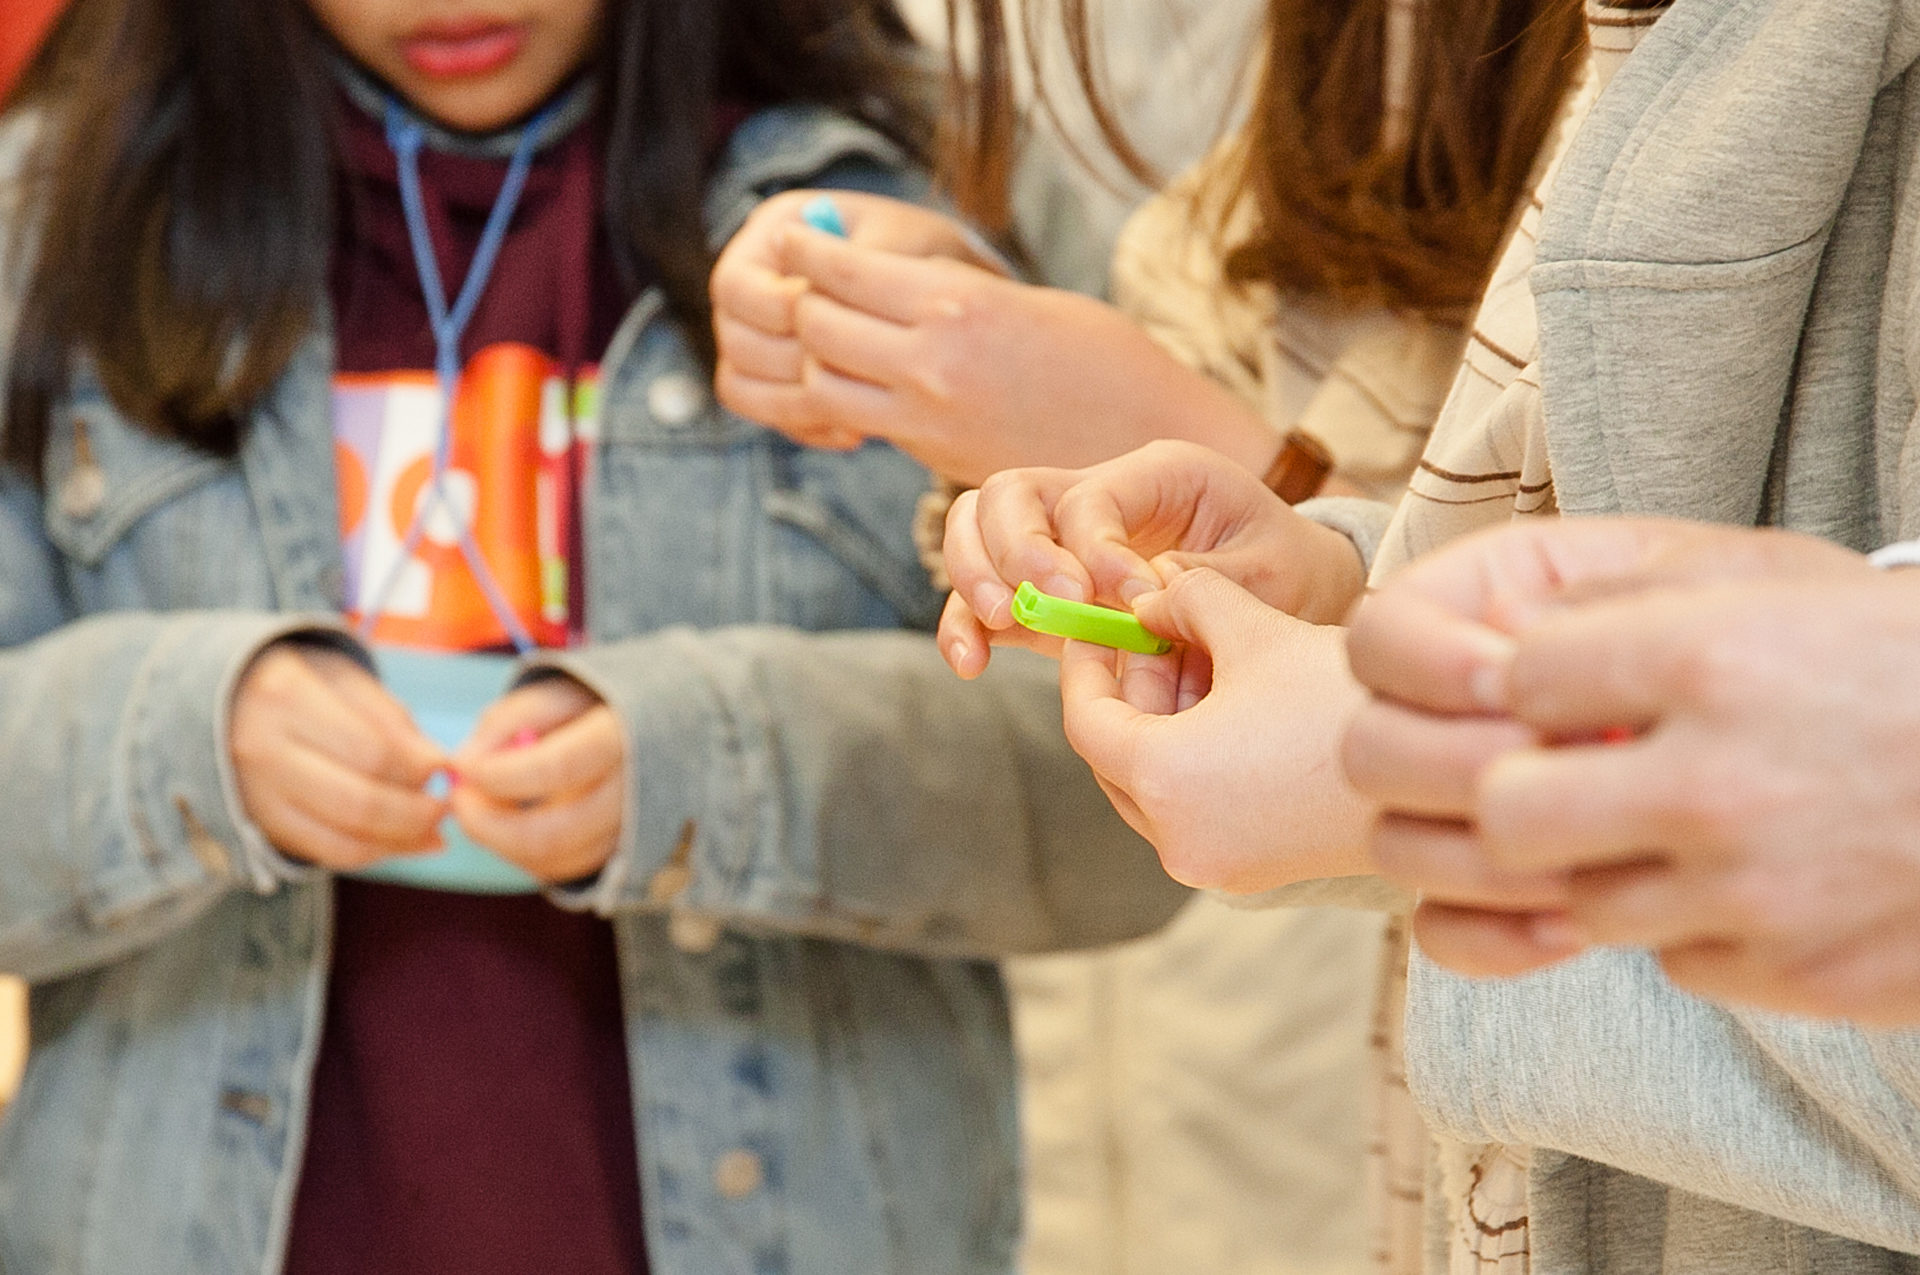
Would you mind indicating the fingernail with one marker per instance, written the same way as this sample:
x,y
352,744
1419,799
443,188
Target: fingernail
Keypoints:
x,y
1065,586
1133,590
525,737
957,652
1490,682
990,600
453,776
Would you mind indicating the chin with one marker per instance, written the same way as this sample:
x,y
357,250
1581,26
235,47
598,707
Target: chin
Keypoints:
x,y
474,111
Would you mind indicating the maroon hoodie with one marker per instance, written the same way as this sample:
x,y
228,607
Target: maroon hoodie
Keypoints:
x,y
471,1107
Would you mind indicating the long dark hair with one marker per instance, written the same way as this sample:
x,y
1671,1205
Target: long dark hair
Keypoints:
x,y
1345,209
177,203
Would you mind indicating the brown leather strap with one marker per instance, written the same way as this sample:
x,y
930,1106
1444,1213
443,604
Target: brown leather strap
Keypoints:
x,y
1300,470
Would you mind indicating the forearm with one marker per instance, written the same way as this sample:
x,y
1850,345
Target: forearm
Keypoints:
x,y
1180,403
849,786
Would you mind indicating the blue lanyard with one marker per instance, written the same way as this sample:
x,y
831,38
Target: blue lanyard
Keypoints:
x,y
406,135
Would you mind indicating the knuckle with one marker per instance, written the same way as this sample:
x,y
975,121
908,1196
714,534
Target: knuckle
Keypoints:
x,y
937,375
357,810
1169,451
277,676
1714,670
1395,853
1180,860
1007,484
722,283
1702,809
964,512
1078,502
1757,903
386,757
1691,968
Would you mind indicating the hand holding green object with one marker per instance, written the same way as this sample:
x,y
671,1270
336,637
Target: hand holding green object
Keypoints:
x,y
1084,622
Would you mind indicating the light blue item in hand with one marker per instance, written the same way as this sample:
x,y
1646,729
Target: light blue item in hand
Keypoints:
x,y
823,214
446,693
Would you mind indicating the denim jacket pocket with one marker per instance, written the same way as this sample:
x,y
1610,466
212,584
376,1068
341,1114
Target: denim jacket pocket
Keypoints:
x,y
858,507
144,522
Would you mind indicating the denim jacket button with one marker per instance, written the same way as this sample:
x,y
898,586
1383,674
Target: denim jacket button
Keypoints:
x,y
738,1174
675,399
84,491
693,933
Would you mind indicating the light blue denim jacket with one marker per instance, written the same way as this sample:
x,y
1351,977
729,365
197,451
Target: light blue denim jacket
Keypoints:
x,y
827,834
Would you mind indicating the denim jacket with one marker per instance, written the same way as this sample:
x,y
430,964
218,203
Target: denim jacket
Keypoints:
x,y
827,838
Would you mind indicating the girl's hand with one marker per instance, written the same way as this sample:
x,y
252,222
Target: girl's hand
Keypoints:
x,y
329,764
1222,752
900,332
542,782
756,295
1112,532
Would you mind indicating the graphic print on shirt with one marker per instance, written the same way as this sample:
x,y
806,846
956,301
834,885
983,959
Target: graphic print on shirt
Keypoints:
x,y
521,434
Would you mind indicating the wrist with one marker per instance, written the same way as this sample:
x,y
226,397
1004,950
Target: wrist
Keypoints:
x,y
1337,578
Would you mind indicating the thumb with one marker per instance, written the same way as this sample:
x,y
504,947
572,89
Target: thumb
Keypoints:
x,y
1204,609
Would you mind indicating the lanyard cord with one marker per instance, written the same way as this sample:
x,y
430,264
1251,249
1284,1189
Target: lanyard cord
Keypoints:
x,y
406,136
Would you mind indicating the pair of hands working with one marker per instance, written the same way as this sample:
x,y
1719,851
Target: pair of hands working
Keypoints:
x,y
1699,740
334,771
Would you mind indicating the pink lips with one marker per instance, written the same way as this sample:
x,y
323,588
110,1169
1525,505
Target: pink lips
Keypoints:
x,y
463,49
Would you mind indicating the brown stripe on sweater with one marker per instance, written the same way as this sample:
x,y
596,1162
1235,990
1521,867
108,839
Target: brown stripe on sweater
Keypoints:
x,y
1477,500
1452,477
1503,354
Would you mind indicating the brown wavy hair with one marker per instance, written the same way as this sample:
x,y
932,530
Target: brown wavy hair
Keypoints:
x,y
180,188
1345,210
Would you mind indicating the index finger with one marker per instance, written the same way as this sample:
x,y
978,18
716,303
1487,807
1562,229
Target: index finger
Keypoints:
x,y
1620,664
1436,635
1004,536
573,757
373,701
893,286
757,295
1406,647
330,723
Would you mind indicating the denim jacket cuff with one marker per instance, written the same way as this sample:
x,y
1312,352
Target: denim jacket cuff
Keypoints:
x,y
685,776
181,759
1360,520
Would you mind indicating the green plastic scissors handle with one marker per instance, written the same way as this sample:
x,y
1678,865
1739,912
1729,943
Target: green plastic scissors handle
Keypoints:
x,y
1084,622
